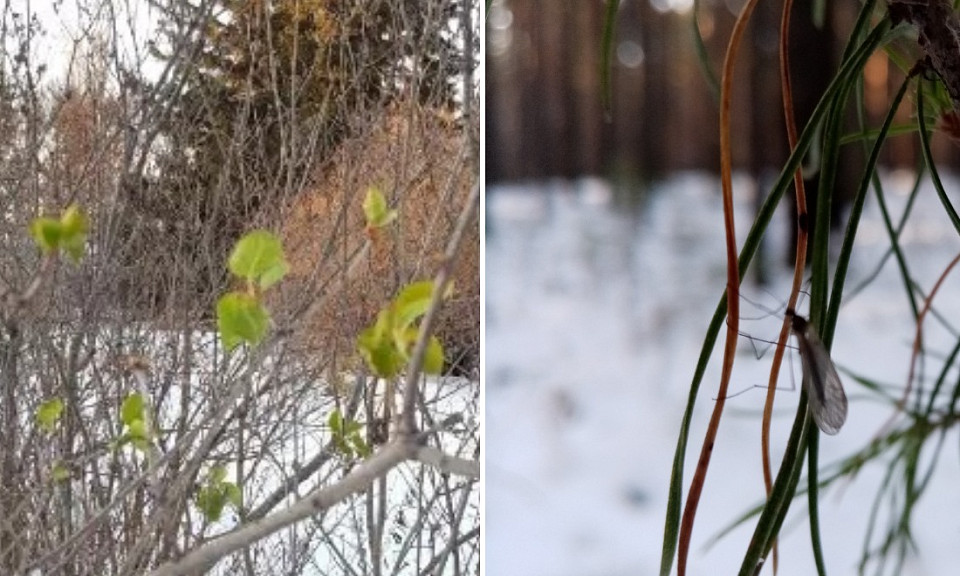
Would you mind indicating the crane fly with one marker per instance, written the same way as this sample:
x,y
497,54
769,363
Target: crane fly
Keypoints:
x,y
826,399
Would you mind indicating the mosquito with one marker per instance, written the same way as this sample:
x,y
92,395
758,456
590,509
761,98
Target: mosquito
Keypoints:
x,y
827,401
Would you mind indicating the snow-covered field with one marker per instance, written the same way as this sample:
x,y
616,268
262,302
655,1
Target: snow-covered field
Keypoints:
x,y
595,314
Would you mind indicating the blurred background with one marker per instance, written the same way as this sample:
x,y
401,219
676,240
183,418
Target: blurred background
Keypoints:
x,y
605,262
545,115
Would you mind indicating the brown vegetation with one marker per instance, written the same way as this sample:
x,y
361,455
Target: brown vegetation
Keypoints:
x,y
418,158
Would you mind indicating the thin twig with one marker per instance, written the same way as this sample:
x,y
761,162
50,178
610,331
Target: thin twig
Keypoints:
x,y
408,424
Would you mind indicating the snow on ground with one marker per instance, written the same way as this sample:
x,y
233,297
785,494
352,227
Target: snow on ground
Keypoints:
x,y
596,310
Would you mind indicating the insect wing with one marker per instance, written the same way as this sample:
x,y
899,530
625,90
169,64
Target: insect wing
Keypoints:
x,y
828,402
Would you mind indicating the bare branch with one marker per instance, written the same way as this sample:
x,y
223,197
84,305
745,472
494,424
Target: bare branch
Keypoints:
x,y
317,502
446,463
408,423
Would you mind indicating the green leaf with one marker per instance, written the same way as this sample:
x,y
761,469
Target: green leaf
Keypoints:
x,y
378,349
59,472
73,229
74,222
46,233
374,205
68,233
340,443
335,422
210,500
213,498
217,474
74,247
136,418
433,359
375,209
412,303
241,318
273,275
141,444
132,408
405,340
233,494
386,345
258,257
352,427
359,445
138,430
49,413
346,435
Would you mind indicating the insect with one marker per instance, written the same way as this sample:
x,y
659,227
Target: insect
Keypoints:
x,y
827,401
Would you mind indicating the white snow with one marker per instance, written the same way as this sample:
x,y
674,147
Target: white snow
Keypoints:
x,y
595,314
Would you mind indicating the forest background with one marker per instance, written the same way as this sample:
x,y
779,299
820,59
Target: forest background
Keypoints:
x,y
542,87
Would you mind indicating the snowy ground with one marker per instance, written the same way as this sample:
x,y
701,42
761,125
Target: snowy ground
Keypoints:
x,y
595,314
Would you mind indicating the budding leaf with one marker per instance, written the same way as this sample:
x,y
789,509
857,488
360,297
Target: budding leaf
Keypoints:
x,y
212,498
59,472
49,413
241,318
233,493
46,233
359,445
335,422
211,501
433,359
73,229
73,221
258,257
346,435
375,209
132,409
412,303
68,233
138,429
217,474
386,346
377,347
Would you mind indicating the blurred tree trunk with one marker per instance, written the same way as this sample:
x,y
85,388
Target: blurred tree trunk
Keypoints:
x,y
655,117
544,93
768,139
493,155
587,123
810,48
547,93
627,93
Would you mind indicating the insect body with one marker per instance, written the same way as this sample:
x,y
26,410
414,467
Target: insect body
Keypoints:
x,y
827,401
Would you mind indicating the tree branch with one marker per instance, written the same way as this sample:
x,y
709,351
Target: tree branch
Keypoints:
x,y
447,463
408,423
321,499
317,502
